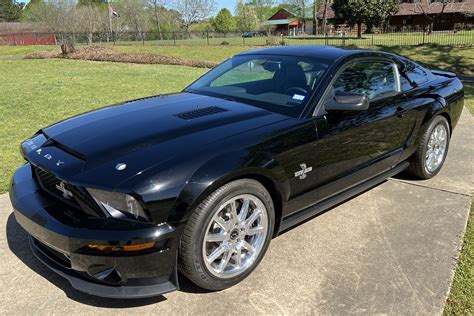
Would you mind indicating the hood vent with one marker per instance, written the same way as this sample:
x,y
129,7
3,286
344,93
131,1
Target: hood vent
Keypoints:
x,y
200,112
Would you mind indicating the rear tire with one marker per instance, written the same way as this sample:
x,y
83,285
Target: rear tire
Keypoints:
x,y
227,235
431,153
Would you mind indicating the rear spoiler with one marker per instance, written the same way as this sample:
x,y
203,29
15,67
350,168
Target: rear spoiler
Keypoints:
x,y
444,73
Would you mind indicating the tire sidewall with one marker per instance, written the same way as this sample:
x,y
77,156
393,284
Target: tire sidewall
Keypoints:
x,y
228,192
438,120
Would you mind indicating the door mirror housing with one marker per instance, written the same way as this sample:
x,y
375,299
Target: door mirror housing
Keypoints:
x,y
347,101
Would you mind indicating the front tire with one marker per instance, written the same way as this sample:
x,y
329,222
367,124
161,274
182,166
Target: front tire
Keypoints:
x,y
429,157
227,235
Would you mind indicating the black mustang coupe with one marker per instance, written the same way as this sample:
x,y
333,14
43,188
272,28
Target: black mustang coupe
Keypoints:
x,y
120,199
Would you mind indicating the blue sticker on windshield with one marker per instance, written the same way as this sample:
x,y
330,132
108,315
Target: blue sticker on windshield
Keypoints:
x,y
298,97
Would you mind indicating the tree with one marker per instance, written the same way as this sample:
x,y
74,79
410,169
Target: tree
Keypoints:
x,y
56,16
377,12
170,21
351,11
90,19
31,3
158,7
134,14
10,10
299,8
264,9
92,2
428,11
325,13
316,7
246,18
224,22
371,12
193,11
51,15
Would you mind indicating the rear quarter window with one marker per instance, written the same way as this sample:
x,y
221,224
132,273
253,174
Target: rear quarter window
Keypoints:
x,y
413,75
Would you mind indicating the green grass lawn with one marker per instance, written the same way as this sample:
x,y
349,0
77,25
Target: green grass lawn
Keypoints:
x,y
209,53
469,96
17,52
457,59
461,298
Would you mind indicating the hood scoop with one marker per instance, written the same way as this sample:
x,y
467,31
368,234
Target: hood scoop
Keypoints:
x,y
200,112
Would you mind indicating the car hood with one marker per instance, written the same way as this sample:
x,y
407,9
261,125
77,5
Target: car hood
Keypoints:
x,y
151,130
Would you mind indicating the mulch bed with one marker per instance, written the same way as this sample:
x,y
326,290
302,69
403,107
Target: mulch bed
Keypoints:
x,y
100,53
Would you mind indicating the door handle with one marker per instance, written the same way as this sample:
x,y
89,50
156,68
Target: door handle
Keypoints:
x,y
400,111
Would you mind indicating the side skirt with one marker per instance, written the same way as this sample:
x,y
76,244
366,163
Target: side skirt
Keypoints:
x,y
294,219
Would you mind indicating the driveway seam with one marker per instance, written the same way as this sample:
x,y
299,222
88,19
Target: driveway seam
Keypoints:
x,y
428,187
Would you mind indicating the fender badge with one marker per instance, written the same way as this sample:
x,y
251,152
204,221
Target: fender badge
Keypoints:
x,y
120,166
304,170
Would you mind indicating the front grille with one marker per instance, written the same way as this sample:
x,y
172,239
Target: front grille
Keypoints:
x,y
55,186
67,193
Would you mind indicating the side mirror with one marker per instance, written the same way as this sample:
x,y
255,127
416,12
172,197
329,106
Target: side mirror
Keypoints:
x,y
347,101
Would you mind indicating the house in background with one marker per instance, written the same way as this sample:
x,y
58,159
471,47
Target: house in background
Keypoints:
x,y
284,22
16,33
287,23
412,14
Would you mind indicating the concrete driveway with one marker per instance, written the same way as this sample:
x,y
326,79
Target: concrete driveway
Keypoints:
x,y
390,250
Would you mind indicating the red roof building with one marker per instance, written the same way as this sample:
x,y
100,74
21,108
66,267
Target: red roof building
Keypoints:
x,y
414,14
15,33
411,15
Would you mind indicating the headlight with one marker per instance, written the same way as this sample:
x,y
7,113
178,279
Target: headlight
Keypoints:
x,y
118,204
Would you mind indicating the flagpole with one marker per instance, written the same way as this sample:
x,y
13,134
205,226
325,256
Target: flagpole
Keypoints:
x,y
110,21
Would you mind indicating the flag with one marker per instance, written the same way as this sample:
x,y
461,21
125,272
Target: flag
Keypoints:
x,y
114,13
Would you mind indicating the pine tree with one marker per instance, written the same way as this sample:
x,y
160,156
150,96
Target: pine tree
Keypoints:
x,y
224,21
10,10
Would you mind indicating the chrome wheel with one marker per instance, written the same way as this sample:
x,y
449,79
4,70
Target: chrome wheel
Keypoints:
x,y
436,148
235,236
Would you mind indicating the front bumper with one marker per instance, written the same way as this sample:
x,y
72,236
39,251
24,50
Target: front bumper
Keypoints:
x,y
61,242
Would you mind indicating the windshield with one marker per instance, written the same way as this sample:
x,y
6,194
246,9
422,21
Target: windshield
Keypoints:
x,y
281,84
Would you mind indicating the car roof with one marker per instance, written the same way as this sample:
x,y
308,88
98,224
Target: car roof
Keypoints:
x,y
312,51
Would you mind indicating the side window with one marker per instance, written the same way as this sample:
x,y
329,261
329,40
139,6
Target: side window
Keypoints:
x,y
253,70
373,78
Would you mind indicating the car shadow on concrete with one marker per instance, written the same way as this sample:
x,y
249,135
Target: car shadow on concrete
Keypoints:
x,y
404,175
17,240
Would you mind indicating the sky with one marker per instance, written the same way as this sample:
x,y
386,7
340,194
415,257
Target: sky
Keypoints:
x,y
229,4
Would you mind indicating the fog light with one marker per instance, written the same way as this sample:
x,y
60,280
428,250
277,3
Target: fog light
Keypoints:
x,y
122,248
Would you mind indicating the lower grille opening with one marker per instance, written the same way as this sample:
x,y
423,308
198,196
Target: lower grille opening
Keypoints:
x,y
60,258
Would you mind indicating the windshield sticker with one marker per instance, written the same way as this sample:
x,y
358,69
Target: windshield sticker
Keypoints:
x,y
298,97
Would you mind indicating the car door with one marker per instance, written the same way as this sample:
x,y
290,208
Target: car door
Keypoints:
x,y
415,84
356,145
